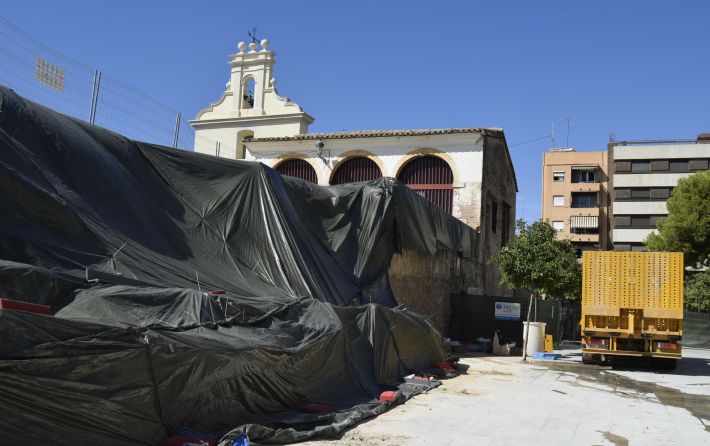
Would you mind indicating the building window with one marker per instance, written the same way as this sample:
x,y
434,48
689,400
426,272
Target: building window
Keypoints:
x,y
698,164
558,176
558,200
494,216
635,246
584,231
641,193
622,166
584,176
637,221
505,223
584,200
581,247
558,225
678,166
640,166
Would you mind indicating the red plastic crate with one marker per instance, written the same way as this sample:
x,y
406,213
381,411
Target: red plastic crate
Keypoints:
x,y
7,304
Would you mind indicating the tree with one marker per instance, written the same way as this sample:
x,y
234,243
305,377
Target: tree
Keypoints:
x,y
687,227
536,261
697,291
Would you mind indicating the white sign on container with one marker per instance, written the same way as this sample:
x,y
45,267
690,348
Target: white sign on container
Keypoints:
x,y
507,311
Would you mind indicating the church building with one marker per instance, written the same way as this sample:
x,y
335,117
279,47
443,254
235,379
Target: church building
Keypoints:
x,y
467,172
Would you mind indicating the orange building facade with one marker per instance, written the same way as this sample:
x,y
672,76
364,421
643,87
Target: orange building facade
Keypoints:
x,y
575,197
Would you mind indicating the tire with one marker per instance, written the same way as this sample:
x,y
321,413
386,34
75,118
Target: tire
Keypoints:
x,y
587,358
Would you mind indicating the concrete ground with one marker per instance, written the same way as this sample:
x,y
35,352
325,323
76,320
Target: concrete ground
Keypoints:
x,y
500,401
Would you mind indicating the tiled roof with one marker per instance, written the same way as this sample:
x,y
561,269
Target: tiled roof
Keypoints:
x,y
378,134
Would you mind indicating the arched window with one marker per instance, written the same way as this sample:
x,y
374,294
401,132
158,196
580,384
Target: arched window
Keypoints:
x,y
298,168
432,178
358,168
248,92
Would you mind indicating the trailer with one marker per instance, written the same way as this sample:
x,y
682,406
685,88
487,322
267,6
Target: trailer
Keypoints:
x,y
632,305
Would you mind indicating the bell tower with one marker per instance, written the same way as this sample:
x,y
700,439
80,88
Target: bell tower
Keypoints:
x,y
250,106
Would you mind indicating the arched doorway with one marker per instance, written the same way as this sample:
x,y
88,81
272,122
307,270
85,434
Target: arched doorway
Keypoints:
x,y
296,167
357,168
241,147
432,178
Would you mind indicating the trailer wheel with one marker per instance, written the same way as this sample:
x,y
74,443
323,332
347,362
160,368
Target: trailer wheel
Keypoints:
x,y
587,358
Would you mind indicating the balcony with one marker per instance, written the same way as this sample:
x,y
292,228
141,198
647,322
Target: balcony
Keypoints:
x,y
591,238
585,187
584,228
585,200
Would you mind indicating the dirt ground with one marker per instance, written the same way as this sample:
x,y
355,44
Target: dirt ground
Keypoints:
x,y
500,401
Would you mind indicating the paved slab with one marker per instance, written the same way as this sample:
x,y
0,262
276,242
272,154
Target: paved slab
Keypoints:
x,y
500,401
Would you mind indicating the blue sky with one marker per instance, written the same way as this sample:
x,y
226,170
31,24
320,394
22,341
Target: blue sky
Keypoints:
x,y
638,69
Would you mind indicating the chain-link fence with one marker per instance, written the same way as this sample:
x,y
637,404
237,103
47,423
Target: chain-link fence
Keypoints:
x,y
54,80
696,329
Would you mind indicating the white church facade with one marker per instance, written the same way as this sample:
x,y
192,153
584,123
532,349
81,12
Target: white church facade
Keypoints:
x,y
467,172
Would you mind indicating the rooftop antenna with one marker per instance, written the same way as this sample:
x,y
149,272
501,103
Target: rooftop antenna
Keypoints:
x,y
568,124
553,135
252,34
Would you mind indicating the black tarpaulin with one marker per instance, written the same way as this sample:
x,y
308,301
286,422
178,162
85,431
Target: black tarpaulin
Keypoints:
x,y
124,240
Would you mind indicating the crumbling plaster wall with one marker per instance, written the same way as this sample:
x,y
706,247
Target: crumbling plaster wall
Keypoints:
x,y
424,283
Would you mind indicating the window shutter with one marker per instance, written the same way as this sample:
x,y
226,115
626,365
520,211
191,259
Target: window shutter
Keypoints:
x,y
622,194
698,165
623,166
659,192
660,165
622,220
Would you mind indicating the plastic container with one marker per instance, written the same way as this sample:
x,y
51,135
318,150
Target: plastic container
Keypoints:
x,y
537,337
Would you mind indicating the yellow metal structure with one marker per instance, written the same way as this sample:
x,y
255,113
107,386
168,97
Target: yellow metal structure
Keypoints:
x,y
632,303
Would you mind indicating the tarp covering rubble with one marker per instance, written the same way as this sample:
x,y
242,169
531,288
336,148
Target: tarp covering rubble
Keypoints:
x,y
126,240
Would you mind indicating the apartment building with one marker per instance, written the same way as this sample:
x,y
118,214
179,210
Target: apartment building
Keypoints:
x,y
643,178
575,197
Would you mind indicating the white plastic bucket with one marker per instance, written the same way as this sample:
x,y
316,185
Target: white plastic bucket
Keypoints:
x,y
537,337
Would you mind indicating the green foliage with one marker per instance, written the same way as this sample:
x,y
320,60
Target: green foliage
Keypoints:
x,y
537,261
697,291
687,227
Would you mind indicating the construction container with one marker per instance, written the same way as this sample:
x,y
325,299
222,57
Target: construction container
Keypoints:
x,y
536,343
632,305
549,345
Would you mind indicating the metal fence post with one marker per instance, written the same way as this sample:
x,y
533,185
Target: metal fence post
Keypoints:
x,y
95,96
177,131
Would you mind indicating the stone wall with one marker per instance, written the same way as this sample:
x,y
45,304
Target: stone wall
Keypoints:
x,y
424,283
498,190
